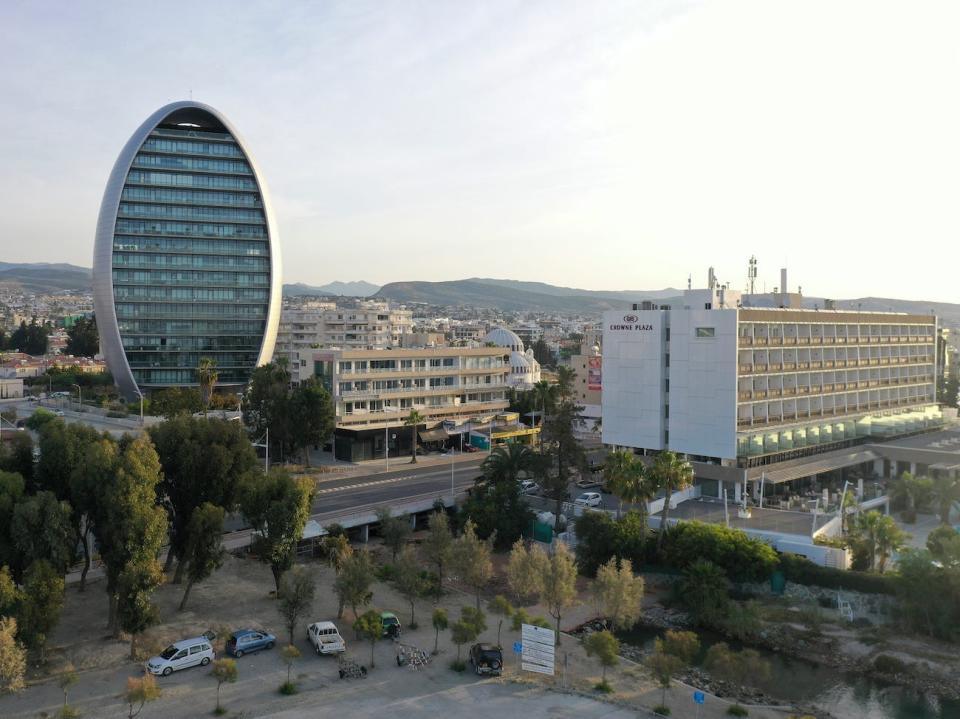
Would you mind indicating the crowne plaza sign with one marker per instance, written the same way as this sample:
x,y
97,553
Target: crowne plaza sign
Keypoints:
x,y
630,323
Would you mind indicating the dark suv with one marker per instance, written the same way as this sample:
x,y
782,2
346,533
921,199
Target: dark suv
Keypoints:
x,y
486,659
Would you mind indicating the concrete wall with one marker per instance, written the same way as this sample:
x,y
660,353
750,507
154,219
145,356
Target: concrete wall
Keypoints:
x,y
633,378
703,383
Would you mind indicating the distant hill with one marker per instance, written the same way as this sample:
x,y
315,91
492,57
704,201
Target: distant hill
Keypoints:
x,y
619,295
45,278
501,294
347,289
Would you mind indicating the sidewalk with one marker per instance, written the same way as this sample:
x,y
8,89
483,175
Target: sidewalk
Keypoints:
x,y
393,464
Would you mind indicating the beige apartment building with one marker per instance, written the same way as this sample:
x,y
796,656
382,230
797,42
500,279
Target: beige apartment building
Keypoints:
x,y
370,325
375,390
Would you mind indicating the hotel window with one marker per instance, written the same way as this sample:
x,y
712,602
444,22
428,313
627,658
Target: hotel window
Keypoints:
x,y
705,332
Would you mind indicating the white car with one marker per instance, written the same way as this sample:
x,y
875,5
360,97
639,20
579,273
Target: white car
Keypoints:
x,y
325,638
58,412
528,486
180,655
588,499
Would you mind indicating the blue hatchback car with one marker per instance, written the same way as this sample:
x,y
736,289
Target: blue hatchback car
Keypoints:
x,y
247,641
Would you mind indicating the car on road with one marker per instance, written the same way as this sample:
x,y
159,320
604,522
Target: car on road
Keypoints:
x,y
588,481
528,486
588,499
58,412
391,625
325,638
197,651
470,448
248,641
486,659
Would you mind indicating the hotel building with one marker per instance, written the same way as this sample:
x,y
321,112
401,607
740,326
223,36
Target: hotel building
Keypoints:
x,y
777,392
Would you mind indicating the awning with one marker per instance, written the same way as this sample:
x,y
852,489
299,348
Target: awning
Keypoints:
x,y
433,435
816,464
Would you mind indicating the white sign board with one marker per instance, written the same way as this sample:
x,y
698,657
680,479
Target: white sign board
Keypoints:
x,y
537,654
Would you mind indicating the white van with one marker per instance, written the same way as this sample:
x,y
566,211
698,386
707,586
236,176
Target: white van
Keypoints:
x,y
325,638
180,655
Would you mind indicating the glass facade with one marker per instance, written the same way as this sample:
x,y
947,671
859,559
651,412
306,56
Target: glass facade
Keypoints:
x,y
191,257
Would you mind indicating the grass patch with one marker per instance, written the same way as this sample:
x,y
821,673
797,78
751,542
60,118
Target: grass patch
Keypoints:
x,y
288,689
735,710
603,687
219,711
458,665
662,710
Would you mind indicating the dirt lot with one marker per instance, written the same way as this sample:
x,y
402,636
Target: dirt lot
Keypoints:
x,y
238,595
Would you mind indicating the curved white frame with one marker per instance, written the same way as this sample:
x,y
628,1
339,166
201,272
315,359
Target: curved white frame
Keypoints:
x,y
103,298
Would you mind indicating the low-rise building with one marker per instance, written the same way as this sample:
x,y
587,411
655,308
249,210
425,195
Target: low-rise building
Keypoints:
x,y
374,391
11,388
524,368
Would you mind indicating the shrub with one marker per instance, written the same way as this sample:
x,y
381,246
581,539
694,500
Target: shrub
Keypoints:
x,y
742,558
458,665
288,689
802,571
886,664
600,537
735,710
113,414
603,687
386,572
662,710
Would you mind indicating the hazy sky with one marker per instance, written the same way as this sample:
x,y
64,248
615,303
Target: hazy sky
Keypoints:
x,y
605,145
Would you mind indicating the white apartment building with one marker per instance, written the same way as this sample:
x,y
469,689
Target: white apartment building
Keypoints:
x,y
374,390
742,388
372,324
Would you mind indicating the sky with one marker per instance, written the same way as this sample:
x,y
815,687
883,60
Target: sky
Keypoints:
x,y
602,145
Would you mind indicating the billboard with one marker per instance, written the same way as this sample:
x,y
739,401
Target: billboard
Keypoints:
x,y
594,373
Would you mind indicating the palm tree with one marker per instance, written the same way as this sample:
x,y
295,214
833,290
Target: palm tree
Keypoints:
x,y
638,488
505,463
946,493
616,468
911,492
890,539
411,421
670,473
864,532
207,375
547,394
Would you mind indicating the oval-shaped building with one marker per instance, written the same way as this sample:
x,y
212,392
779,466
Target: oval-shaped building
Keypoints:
x,y
187,261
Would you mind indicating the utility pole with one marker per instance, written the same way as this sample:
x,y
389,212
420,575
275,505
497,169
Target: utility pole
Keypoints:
x,y
386,444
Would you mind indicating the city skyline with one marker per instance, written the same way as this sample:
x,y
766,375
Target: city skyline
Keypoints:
x,y
610,147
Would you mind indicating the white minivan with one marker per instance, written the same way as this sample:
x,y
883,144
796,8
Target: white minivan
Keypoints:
x,y
180,655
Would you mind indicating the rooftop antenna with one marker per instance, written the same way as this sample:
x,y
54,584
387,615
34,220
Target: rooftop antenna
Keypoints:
x,y
752,273
689,282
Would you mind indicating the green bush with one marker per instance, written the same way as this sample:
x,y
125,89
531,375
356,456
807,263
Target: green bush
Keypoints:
x,y
288,689
662,710
802,571
603,687
889,665
458,665
735,710
113,414
600,537
386,572
741,557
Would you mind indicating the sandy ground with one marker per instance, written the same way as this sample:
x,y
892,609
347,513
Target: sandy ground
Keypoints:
x,y
238,595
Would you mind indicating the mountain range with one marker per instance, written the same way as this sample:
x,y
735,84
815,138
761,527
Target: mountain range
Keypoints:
x,y
44,278
506,295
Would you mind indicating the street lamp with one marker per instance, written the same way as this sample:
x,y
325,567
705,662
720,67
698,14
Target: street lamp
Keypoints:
x,y
140,395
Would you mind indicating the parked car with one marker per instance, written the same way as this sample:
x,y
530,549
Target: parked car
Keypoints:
x,y
486,659
246,641
58,412
470,448
588,499
391,625
528,486
588,481
325,638
197,651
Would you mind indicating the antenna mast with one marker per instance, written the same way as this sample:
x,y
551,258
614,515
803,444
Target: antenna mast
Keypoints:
x,y
752,273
